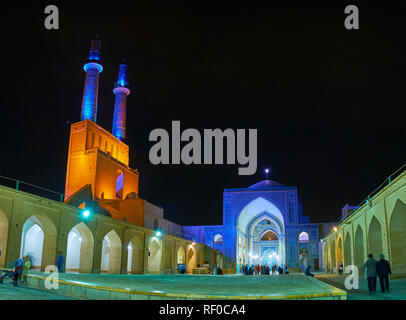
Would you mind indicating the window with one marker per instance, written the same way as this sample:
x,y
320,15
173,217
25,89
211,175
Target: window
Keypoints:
x,y
119,184
218,239
303,237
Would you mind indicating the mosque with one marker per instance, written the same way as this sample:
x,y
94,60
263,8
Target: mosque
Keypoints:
x,y
262,224
102,225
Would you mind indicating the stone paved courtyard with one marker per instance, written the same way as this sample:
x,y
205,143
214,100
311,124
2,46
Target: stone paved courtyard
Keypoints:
x,y
9,292
226,285
397,288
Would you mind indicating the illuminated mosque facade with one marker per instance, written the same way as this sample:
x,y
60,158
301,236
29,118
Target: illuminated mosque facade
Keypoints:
x,y
262,224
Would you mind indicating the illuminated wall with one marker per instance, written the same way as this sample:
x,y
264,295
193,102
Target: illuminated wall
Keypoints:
x,y
96,157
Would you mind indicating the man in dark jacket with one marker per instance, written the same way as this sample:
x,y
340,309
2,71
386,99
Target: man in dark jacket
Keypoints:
x,y
383,270
370,265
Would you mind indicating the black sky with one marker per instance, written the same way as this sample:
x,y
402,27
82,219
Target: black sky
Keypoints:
x,y
328,103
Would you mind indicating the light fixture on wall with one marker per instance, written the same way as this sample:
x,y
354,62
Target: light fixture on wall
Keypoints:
x,y
86,214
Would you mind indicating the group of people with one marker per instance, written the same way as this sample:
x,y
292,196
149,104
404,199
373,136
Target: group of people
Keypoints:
x,y
374,269
379,268
21,267
263,269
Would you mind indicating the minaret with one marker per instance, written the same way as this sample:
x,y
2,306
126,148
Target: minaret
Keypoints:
x,y
92,68
121,90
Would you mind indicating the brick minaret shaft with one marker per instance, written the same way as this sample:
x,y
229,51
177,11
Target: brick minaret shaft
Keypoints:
x,y
121,90
92,68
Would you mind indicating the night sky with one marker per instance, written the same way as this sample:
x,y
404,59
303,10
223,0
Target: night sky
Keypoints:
x,y
328,103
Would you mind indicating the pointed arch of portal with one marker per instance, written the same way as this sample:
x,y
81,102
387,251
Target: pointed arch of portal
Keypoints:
x,y
38,240
256,207
111,253
181,256
154,255
79,252
135,256
191,259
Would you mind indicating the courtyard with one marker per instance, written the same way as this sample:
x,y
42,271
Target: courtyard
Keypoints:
x,y
177,286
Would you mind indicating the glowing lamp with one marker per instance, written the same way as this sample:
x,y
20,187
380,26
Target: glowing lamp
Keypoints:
x,y
266,170
158,233
193,243
335,229
86,213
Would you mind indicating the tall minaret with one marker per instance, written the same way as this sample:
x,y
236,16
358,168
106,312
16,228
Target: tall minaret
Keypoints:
x,y
121,90
92,68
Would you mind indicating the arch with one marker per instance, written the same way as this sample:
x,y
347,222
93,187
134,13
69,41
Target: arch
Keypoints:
x,y
111,253
255,208
325,263
340,250
333,256
375,238
191,259
154,258
329,258
218,239
135,254
79,252
181,255
168,257
359,248
397,227
268,235
38,240
304,237
347,250
3,238
304,245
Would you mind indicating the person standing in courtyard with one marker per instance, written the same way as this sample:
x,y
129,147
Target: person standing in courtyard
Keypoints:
x,y
370,266
26,267
383,270
59,262
340,268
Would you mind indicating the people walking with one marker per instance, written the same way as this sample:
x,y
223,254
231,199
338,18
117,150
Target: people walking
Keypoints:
x,y
286,270
383,271
370,266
